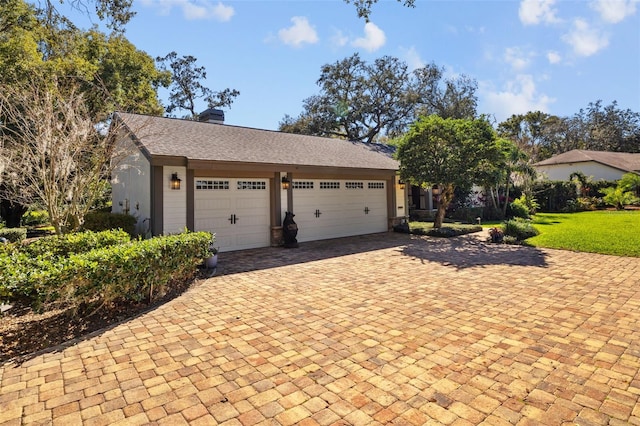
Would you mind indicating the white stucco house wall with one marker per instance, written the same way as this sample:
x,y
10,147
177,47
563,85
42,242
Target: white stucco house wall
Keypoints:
x,y
238,182
599,165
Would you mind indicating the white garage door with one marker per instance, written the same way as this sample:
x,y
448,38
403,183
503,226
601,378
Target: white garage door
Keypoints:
x,y
339,208
236,210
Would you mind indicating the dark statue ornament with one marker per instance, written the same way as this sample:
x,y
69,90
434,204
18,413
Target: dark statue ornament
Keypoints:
x,y
289,231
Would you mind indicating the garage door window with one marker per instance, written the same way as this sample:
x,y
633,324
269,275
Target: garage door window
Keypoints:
x,y
252,185
329,185
376,185
302,184
212,184
354,185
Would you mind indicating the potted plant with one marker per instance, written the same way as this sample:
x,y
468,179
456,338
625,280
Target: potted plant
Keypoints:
x,y
212,261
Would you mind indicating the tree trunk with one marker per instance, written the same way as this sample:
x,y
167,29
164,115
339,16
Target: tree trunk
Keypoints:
x,y
446,196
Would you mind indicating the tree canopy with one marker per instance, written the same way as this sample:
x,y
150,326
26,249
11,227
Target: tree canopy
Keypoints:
x,y
596,128
448,153
364,102
363,7
187,87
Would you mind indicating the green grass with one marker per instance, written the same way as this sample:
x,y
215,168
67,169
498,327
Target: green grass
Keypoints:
x,y
605,232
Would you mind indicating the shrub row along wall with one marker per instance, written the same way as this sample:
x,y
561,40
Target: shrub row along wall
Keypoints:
x,y
131,272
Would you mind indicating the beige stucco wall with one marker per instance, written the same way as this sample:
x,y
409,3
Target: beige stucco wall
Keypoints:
x,y
591,169
131,187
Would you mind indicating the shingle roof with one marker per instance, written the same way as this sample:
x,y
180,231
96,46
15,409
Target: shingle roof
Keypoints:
x,y
194,140
620,160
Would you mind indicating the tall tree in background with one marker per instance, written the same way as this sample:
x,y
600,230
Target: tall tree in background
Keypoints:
x,y
364,102
186,86
448,153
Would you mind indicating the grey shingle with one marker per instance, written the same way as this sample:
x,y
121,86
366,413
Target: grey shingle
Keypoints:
x,y
194,140
629,162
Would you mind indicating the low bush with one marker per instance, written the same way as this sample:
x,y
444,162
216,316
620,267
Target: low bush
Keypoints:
x,y
131,272
14,235
518,208
79,242
35,218
519,229
102,221
446,231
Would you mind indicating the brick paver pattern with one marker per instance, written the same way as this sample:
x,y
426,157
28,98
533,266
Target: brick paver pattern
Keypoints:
x,y
382,329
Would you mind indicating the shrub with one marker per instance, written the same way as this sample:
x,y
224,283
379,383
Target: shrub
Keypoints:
x,y
519,229
102,221
553,196
14,235
64,245
518,208
132,272
35,218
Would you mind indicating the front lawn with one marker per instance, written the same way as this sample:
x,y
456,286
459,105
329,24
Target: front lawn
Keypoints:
x,y
606,232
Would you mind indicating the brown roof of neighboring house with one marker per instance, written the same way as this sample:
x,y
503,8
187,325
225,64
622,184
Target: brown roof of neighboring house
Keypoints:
x,y
626,161
161,136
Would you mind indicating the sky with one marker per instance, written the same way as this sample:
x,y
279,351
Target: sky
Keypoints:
x,y
554,56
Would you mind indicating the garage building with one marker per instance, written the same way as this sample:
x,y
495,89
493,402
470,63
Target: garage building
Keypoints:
x,y
238,182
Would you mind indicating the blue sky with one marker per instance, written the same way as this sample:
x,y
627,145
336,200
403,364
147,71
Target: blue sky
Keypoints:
x,y
548,55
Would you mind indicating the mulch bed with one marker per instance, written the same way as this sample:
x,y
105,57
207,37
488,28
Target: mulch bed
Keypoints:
x,y
24,332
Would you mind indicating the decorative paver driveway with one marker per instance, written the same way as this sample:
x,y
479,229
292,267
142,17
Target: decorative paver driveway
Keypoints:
x,y
370,330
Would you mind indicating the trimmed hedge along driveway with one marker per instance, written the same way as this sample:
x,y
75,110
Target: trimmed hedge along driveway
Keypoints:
x,y
364,330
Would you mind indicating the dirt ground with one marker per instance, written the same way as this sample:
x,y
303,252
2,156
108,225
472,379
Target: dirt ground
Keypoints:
x,y
24,332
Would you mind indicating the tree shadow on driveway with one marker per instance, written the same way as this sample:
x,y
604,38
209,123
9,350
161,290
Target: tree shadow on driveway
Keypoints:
x,y
472,251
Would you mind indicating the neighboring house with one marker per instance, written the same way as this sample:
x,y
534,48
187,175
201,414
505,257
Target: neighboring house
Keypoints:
x,y
230,180
599,165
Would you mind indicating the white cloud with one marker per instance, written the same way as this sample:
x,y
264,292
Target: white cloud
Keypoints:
x,y
614,11
518,96
554,57
299,33
517,58
339,39
533,12
584,39
373,39
194,9
413,59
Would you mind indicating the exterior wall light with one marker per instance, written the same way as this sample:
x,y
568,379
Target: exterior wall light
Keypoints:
x,y
401,184
285,182
435,190
175,181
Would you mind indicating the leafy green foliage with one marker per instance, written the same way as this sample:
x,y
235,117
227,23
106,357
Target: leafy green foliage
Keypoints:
x,y
35,218
607,232
102,221
519,229
449,153
362,101
519,208
553,196
618,197
446,231
79,242
128,272
14,235
186,86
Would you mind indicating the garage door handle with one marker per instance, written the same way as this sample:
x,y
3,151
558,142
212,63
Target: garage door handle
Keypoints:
x,y
317,213
233,219
366,210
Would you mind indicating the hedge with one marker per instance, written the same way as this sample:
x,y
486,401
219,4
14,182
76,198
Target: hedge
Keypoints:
x,y
103,221
79,242
14,235
141,270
